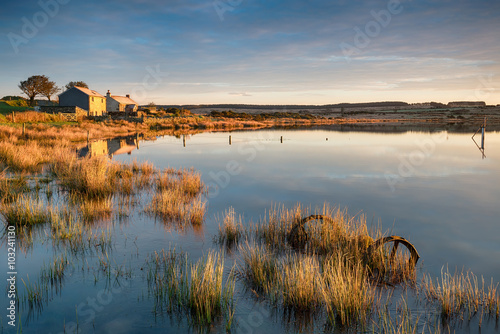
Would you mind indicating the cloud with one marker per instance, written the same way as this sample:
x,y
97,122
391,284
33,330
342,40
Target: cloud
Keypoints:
x,y
240,94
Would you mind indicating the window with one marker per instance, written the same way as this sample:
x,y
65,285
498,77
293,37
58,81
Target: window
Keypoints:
x,y
92,99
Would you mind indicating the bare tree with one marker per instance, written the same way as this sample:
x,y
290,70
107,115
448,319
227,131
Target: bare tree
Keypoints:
x,y
76,83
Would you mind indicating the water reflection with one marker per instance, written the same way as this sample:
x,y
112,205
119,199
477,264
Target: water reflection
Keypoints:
x,y
481,130
110,147
429,187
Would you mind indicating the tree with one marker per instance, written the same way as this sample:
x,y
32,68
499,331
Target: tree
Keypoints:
x,y
76,83
31,87
47,88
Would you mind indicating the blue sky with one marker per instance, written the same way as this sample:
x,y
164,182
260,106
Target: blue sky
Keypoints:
x,y
258,51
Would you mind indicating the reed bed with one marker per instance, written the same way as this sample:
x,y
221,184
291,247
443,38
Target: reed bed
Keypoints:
x,y
28,157
231,230
12,187
300,282
26,211
462,295
90,177
178,198
259,269
196,290
347,291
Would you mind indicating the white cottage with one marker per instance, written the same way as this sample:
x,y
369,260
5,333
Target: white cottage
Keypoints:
x,y
120,103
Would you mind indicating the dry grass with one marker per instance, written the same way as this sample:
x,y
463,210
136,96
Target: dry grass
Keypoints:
x,y
462,295
259,269
347,291
301,283
177,197
92,177
25,211
231,230
28,157
196,290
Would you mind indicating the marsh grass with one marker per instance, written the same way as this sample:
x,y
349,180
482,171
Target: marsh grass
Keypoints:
x,y
92,210
54,272
69,230
347,292
462,295
403,322
259,269
28,157
26,211
196,290
301,283
231,230
93,177
12,187
177,198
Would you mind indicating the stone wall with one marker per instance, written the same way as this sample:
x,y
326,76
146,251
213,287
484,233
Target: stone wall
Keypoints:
x,y
70,113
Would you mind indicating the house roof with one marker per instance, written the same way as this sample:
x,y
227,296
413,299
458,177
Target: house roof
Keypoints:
x,y
87,91
123,99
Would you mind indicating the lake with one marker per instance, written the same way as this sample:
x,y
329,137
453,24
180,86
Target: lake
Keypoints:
x,y
436,189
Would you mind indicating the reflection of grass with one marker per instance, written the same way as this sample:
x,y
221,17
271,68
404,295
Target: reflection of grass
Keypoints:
x,y
196,290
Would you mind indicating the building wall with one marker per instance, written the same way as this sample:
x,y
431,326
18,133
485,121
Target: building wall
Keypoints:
x,y
74,97
112,104
97,106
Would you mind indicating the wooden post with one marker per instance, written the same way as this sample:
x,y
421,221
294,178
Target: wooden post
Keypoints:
x,y
13,117
24,129
184,140
281,139
482,133
230,140
137,139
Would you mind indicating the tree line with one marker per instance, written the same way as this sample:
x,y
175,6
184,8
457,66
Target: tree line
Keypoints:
x,y
41,85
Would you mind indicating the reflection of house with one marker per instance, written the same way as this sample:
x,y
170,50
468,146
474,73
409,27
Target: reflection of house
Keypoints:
x,y
94,149
90,100
120,103
110,147
118,146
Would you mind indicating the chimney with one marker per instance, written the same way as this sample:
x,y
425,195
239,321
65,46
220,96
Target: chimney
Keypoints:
x,y
128,95
108,94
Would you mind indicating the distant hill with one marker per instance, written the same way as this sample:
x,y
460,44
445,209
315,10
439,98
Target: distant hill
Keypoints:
x,y
387,104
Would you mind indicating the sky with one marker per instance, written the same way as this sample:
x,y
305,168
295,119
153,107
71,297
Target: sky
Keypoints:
x,y
258,51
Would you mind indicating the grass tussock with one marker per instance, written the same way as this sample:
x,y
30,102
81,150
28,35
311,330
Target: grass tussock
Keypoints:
x,y
12,187
196,290
347,291
28,157
462,295
259,269
177,198
26,211
90,177
231,230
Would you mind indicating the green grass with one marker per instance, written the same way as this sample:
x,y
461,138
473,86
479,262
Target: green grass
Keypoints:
x,y
6,109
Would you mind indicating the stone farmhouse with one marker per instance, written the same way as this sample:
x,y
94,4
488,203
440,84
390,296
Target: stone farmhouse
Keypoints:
x,y
84,98
116,103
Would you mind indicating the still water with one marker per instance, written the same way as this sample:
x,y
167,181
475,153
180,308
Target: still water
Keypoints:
x,y
437,190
